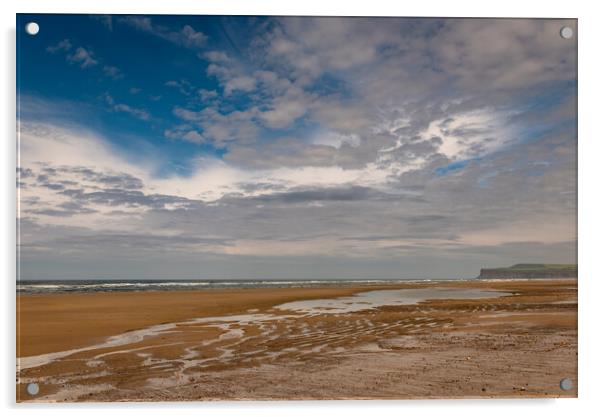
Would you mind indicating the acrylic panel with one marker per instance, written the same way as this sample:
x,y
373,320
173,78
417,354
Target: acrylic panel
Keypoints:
x,y
291,208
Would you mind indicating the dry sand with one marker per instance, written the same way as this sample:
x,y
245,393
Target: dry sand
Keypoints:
x,y
233,344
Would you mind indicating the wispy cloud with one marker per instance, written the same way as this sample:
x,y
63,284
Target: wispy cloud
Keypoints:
x,y
105,19
186,133
112,72
125,108
62,46
183,86
83,57
186,36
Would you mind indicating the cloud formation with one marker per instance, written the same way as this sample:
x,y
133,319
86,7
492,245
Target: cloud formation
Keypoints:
x,y
317,147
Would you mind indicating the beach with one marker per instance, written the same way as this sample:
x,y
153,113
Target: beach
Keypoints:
x,y
446,339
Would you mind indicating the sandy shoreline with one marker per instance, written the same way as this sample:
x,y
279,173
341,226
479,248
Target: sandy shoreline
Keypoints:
x,y
45,323
528,336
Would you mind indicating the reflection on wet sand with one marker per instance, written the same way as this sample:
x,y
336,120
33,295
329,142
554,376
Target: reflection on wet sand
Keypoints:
x,y
379,298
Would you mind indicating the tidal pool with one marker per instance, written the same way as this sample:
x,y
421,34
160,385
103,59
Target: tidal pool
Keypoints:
x,y
378,298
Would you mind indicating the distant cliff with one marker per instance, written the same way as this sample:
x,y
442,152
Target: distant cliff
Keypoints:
x,y
530,271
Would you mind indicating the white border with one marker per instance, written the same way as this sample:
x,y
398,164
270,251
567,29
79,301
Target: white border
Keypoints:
x,y
590,209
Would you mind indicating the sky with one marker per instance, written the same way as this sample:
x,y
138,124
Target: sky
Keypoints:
x,y
238,147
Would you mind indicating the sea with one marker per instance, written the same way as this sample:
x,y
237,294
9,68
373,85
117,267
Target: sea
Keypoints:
x,y
91,286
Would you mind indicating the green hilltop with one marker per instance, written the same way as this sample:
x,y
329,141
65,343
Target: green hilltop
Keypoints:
x,y
539,267
530,271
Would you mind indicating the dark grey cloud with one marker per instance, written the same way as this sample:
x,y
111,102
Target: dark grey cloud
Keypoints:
x,y
120,180
335,194
137,242
53,186
62,213
120,197
24,172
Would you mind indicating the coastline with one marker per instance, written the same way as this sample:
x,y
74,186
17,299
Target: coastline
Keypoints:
x,y
221,331
46,324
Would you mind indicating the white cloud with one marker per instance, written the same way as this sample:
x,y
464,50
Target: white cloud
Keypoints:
x,y
105,19
241,83
62,46
336,140
212,178
216,56
139,113
187,36
284,112
207,95
113,72
221,129
184,86
124,108
82,57
471,134
184,132
72,146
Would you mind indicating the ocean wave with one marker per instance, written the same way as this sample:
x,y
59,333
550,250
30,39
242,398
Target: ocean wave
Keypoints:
x,y
36,287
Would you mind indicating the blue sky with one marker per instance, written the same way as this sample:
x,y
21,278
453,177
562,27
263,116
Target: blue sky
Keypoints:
x,y
246,147
128,64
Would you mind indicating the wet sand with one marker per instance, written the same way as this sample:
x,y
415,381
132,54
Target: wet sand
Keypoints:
x,y
238,344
